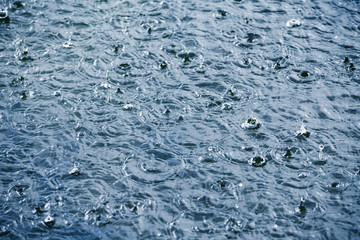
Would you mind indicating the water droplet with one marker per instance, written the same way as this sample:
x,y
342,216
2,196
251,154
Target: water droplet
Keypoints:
x,y
253,37
302,206
67,44
231,92
352,67
134,209
226,106
187,56
4,16
304,74
17,81
336,187
293,23
288,153
221,183
125,66
49,221
257,161
302,175
26,57
128,107
222,13
75,171
163,65
281,63
303,132
251,123
37,210
23,95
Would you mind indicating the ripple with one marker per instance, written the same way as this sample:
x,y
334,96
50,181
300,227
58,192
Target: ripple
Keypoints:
x,y
335,187
158,167
302,76
179,119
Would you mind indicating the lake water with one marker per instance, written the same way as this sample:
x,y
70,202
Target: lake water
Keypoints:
x,y
180,119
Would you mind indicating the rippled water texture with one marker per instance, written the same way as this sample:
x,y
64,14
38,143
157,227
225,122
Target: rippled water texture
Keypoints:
x,y
181,119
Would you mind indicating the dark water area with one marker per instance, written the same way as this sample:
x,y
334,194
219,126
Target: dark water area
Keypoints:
x,y
180,119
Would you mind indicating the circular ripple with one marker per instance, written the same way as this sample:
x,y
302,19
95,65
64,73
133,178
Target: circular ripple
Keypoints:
x,y
302,77
152,167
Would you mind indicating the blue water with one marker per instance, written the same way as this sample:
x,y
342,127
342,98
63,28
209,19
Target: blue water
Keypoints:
x,y
179,119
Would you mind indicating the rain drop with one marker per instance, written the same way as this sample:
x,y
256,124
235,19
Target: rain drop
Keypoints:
x,y
257,161
293,23
251,123
75,171
49,221
4,16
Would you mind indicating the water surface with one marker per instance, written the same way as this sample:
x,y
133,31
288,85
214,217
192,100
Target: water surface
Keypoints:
x,y
180,119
